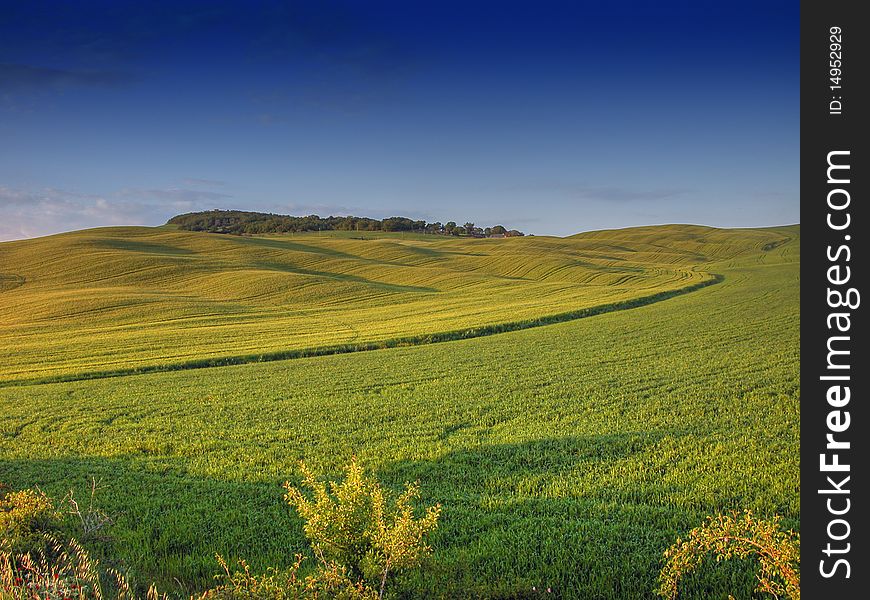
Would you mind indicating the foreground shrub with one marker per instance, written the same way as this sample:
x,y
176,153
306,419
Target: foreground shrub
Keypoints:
x,y
359,536
37,562
328,582
738,535
356,533
25,517
63,570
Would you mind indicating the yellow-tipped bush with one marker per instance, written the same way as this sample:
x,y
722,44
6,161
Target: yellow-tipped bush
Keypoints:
x,y
738,535
25,517
352,526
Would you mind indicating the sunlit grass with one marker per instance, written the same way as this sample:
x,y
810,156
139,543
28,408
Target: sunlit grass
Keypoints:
x,y
566,456
124,298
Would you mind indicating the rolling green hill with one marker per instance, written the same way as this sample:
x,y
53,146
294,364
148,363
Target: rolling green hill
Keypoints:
x,y
124,298
565,456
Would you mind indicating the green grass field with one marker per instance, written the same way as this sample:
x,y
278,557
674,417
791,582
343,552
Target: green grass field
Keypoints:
x,y
123,298
566,456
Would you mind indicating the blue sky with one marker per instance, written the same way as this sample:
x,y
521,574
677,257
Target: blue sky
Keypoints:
x,y
552,118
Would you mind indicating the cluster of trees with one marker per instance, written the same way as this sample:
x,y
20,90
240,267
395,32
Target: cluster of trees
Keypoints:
x,y
243,222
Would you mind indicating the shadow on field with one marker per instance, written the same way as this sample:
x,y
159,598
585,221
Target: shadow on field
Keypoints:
x,y
550,457
393,287
167,523
517,519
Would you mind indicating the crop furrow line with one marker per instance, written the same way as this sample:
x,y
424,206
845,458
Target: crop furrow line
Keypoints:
x,y
415,340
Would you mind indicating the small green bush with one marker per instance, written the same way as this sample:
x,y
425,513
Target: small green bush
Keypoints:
x,y
39,562
356,533
738,535
25,517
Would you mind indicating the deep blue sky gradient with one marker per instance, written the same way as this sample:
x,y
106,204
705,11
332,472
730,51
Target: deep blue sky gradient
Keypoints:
x,y
553,118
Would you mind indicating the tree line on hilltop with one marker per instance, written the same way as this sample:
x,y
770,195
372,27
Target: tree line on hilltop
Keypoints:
x,y
243,222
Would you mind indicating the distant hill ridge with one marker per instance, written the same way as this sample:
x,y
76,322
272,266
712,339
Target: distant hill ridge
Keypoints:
x,y
245,222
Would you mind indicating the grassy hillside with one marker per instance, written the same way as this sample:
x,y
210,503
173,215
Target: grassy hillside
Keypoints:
x,y
566,456
134,297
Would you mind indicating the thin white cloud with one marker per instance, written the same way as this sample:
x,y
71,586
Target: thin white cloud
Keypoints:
x,y
180,196
621,194
602,193
32,213
23,76
337,210
29,214
196,181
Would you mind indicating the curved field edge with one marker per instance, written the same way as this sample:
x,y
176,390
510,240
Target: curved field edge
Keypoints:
x,y
568,456
416,340
124,298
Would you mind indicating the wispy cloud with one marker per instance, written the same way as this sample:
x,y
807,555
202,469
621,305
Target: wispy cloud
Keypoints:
x,y
605,193
621,194
175,196
338,58
28,77
32,213
195,181
326,209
